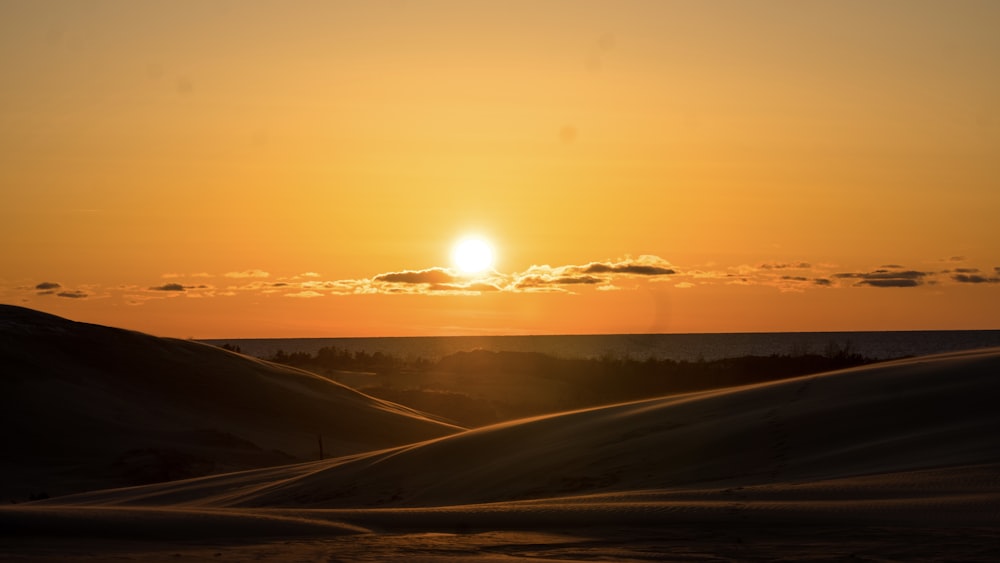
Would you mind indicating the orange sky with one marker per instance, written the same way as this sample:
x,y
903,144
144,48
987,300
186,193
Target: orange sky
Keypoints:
x,y
240,169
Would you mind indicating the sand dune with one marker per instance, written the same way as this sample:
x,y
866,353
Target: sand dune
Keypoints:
x,y
84,406
896,417
900,460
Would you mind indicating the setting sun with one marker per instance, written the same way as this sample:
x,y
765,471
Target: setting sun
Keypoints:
x,y
472,255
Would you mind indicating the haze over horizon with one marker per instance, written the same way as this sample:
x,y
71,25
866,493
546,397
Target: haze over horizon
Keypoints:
x,y
262,169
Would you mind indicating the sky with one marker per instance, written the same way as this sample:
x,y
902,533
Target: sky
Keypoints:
x,y
227,169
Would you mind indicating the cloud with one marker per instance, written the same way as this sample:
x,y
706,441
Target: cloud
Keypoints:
x,y
432,281
577,280
168,290
546,278
622,274
890,275
706,275
974,278
248,274
304,294
355,287
783,276
250,286
428,276
50,288
636,269
168,287
895,282
342,287
785,266
645,265
597,274
174,275
74,294
886,277
534,283
471,288
784,283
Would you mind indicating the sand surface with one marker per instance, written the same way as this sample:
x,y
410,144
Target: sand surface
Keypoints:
x,y
85,406
730,543
896,461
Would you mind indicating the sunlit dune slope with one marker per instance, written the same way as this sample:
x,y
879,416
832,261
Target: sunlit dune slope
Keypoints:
x,y
934,412
85,406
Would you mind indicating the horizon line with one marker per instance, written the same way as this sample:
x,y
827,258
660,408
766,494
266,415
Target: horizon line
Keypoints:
x,y
591,334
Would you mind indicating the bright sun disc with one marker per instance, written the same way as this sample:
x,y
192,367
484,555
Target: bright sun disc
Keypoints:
x,y
472,255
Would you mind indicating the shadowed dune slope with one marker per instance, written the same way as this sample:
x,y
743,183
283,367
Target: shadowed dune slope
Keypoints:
x,y
85,406
934,412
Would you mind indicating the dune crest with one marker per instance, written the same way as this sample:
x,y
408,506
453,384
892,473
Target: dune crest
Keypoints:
x,y
85,407
898,459
892,418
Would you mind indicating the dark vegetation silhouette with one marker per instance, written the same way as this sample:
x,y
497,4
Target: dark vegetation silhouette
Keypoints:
x,y
479,387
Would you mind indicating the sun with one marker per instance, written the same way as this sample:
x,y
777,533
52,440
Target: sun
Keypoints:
x,y
472,255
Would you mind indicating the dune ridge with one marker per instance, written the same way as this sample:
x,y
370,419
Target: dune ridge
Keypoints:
x,y
900,459
85,406
890,419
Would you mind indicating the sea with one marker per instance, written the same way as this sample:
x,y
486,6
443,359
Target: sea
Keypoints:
x,y
679,347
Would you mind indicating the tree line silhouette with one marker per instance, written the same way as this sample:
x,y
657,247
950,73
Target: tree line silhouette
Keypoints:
x,y
452,386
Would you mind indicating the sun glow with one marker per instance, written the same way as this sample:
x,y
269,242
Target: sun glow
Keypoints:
x,y
472,255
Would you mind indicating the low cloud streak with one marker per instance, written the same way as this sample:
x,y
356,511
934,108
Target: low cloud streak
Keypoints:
x,y
167,287
974,278
623,274
72,294
248,274
429,276
886,277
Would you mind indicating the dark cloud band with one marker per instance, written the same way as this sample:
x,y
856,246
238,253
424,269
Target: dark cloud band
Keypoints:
x,y
72,294
168,287
886,278
627,268
974,278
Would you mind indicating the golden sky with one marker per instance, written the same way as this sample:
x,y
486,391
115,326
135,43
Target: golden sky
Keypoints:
x,y
280,169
